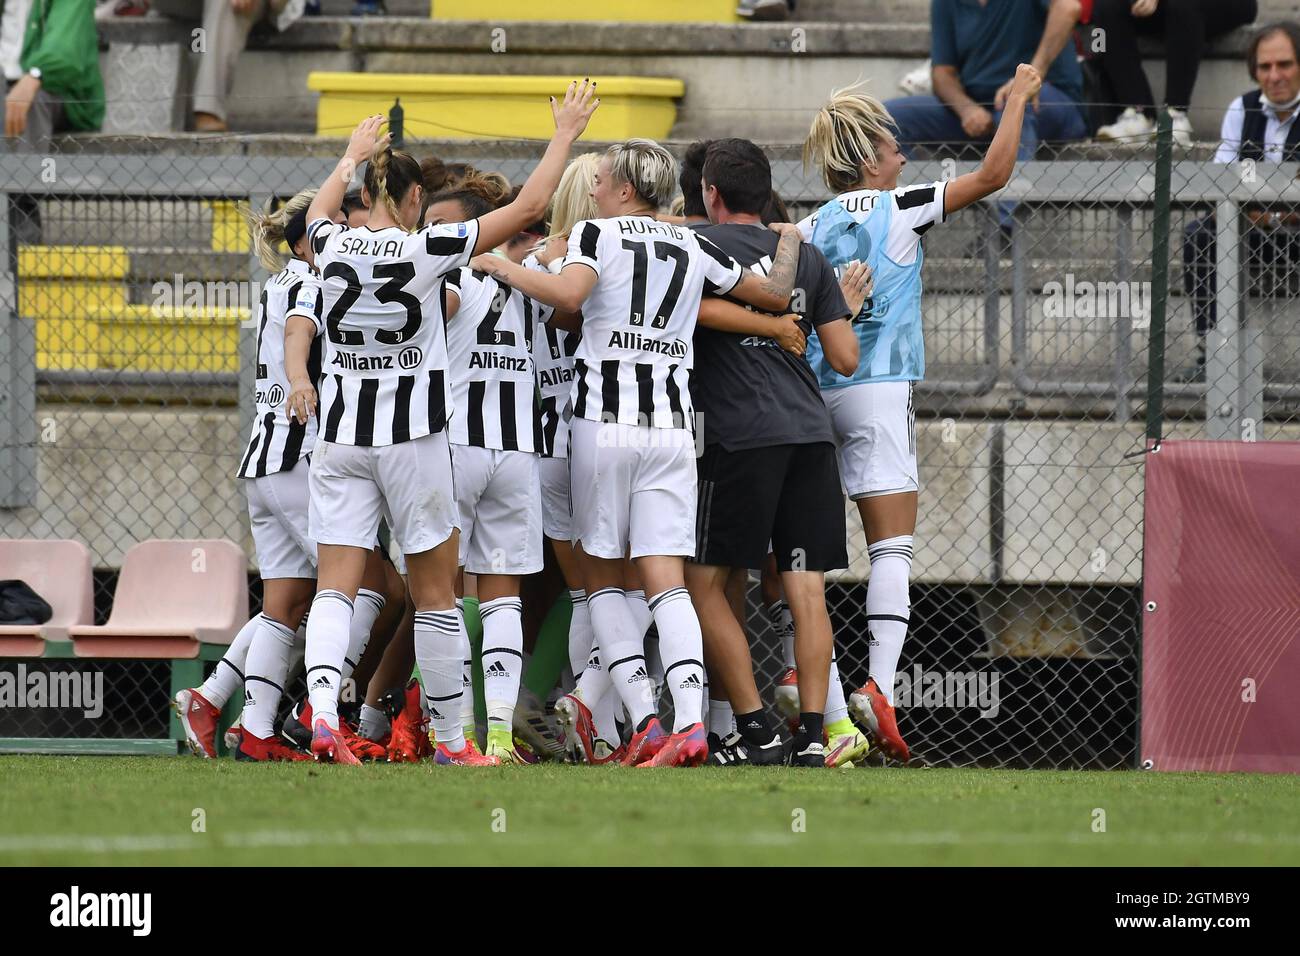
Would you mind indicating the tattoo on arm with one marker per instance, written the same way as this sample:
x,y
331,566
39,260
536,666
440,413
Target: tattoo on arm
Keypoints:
x,y
780,278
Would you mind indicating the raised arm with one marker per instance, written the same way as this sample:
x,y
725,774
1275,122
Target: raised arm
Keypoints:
x,y
1000,160
529,206
329,197
771,293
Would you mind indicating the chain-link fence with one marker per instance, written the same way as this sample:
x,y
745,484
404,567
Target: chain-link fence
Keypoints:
x,y
126,373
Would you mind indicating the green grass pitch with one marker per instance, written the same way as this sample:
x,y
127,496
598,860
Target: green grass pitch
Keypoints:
x,y
95,810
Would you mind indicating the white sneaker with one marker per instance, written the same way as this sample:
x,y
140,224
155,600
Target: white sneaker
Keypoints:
x,y
917,82
1182,128
1132,127
763,9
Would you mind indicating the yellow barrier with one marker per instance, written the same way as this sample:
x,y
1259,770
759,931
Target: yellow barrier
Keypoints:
x,y
141,338
461,106
643,11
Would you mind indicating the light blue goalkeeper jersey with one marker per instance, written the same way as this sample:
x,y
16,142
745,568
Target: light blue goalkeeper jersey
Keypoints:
x,y
884,230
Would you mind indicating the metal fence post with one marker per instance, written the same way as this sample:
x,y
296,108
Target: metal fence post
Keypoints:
x,y
1222,350
1159,279
17,380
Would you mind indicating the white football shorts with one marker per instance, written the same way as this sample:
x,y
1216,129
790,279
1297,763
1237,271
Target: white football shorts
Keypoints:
x,y
278,514
875,430
410,483
634,489
557,505
500,505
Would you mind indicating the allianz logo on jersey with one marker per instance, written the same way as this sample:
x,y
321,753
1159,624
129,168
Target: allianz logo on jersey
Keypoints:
x,y
674,348
505,363
272,396
550,377
201,298
409,357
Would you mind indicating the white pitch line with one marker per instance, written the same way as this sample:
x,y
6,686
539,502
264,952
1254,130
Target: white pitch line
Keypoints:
x,y
169,843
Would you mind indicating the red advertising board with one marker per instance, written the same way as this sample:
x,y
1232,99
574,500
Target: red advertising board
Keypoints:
x,y
1221,607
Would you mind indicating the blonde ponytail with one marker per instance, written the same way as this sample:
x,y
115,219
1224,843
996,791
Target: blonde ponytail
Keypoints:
x,y
379,161
844,135
266,229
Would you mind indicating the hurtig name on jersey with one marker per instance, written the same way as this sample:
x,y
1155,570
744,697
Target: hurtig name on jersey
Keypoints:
x,y
639,226
508,363
351,245
675,348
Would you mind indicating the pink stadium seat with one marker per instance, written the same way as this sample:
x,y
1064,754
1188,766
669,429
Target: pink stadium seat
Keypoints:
x,y
59,571
172,597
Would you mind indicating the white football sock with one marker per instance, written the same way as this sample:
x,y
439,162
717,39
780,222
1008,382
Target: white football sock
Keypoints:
x,y
267,669
229,672
466,676
654,664
606,705
621,652
374,723
721,720
783,623
503,647
365,610
327,643
580,636
439,652
682,648
888,608
836,707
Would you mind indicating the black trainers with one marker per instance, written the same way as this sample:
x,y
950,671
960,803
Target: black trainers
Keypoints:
x,y
771,754
813,754
728,752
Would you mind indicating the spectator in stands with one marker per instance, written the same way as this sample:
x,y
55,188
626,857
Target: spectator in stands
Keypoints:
x,y
974,50
226,25
53,84
1186,26
1260,126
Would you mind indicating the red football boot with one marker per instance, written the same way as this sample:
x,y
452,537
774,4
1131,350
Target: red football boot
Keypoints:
x,y
874,713
199,720
266,749
645,743
687,748
328,745
408,740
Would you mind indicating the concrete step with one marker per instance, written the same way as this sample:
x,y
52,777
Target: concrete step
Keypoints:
x,y
761,80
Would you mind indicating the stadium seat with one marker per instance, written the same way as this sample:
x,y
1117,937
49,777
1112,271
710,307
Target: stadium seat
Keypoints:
x,y
59,571
661,11
466,106
172,598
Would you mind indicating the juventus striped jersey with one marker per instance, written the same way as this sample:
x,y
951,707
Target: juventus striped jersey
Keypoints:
x,y
553,351
384,374
633,363
490,352
277,443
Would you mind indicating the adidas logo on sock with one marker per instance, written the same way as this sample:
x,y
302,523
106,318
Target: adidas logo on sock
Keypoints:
x,y
433,712
691,683
496,670
248,697
638,676
321,683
